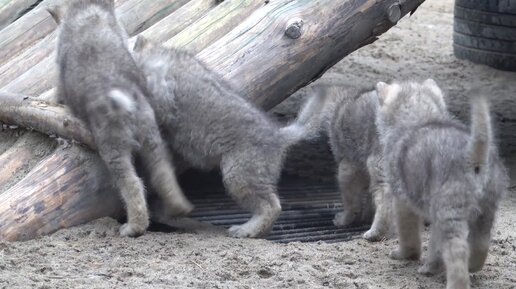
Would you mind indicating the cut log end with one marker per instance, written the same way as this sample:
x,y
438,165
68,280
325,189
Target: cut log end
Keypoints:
x,y
394,13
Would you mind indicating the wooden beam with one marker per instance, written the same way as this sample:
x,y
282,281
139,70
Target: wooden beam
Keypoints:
x,y
179,20
268,65
27,49
58,193
27,59
22,33
22,156
45,117
10,10
138,15
215,24
29,29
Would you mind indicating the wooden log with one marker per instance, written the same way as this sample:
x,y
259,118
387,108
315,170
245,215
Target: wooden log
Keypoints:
x,y
22,156
138,15
37,79
48,118
25,32
18,36
10,10
48,96
27,59
179,20
214,24
27,43
260,58
279,48
7,138
58,193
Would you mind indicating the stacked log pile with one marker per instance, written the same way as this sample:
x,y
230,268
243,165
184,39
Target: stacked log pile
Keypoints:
x,y
267,49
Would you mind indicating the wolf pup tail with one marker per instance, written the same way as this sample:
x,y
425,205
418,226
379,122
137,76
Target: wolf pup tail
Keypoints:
x,y
481,133
121,101
309,118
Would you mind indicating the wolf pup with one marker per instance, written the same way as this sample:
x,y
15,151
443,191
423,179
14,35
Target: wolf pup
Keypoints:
x,y
208,124
348,117
443,171
100,82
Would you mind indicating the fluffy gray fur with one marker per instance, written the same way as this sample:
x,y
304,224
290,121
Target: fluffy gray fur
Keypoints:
x,y
100,82
208,124
443,171
348,117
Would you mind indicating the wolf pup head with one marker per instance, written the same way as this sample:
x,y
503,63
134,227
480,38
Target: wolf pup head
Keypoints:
x,y
404,103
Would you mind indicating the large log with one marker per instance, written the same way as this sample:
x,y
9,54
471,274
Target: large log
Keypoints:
x,y
213,25
22,33
26,59
281,47
179,20
138,15
26,31
44,117
52,196
10,10
287,44
26,48
22,156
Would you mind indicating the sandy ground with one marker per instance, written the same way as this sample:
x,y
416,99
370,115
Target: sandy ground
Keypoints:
x,y
94,256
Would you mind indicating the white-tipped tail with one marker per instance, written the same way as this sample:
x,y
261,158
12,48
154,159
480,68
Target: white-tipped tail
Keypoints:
x,y
481,134
308,121
122,100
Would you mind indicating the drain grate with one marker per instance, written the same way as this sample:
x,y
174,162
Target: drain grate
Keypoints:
x,y
307,213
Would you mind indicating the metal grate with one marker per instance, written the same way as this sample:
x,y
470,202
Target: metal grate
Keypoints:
x,y
307,213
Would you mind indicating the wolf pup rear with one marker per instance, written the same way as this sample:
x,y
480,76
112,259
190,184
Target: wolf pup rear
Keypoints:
x,y
443,171
100,82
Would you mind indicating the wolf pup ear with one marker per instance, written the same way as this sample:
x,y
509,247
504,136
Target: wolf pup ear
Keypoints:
x,y
140,43
432,85
56,12
382,90
430,82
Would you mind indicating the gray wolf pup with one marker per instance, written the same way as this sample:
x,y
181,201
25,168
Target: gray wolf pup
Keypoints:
x,y
348,117
208,125
443,171
100,82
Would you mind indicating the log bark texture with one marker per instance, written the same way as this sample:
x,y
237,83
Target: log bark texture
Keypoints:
x,y
26,152
178,20
27,47
213,25
58,193
269,66
10,10
45,117
272,50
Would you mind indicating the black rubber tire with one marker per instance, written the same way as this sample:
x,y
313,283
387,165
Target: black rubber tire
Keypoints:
x,y
485,17
498,6
494,45
502,61
485,32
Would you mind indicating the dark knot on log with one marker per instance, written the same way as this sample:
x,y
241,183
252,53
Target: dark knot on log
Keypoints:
x,y
394,13
293,29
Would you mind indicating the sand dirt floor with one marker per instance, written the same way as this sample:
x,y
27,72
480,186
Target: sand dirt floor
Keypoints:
x,y
94,256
